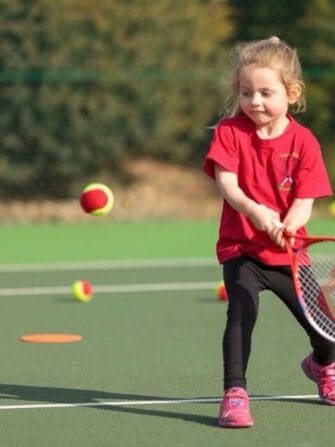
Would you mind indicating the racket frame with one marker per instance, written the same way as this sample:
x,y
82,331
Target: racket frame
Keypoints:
x,y
293,256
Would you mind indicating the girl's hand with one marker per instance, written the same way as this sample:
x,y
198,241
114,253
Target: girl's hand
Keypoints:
x,y
278,233
264,219
290,231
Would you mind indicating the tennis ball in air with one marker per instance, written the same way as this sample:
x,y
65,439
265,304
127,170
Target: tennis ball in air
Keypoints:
x,y
82,291
331,208
97,199
221,292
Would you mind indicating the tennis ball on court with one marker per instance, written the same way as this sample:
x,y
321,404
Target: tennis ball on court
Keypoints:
x,y
331,208
82,291
221,292
97,199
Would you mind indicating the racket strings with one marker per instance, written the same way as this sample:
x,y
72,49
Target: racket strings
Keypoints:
x,y
317,286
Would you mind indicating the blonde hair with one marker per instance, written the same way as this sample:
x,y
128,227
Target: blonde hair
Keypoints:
x,y
273,53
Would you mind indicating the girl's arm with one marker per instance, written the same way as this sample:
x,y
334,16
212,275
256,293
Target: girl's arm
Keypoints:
x,y
261,216
297,216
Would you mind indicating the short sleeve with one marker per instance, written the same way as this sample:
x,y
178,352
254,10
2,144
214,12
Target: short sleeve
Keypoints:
x,y
312,179
222,150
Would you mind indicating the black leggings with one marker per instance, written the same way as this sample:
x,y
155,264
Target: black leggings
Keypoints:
x,y
244,279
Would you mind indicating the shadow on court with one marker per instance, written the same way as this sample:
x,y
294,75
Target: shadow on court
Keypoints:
x,y
52,395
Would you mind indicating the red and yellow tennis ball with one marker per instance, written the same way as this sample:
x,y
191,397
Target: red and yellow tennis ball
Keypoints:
x,y
82,291
331,208
97,199
221,292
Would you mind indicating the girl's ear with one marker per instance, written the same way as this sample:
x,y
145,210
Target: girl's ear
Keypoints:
x,y
294,93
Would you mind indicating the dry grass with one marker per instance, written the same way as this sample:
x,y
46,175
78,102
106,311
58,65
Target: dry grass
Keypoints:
x,y
159,190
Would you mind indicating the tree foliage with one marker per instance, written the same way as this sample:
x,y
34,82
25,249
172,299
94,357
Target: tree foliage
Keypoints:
x,y
86,84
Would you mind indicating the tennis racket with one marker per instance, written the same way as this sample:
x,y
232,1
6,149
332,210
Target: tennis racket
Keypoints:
x,y
313,274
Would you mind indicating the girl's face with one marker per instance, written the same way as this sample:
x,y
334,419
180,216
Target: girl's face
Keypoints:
x,y
263,97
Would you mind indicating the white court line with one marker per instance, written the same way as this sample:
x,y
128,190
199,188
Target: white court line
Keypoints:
x,y
132,403
113,264
116,288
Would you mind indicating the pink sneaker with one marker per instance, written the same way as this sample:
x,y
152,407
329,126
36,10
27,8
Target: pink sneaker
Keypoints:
x,y
323,376
234,409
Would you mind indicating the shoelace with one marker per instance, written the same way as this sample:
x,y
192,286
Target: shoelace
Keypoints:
x,y
236,400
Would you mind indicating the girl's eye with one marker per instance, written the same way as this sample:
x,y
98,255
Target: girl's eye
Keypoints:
x,y
246,94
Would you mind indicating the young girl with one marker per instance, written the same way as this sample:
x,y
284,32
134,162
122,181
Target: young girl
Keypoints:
x,y
268,168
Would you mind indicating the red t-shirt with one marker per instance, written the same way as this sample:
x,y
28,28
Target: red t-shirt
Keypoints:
x,y
272,172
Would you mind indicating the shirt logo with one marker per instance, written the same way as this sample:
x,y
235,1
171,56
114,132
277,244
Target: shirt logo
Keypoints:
x,y
288,163
286,184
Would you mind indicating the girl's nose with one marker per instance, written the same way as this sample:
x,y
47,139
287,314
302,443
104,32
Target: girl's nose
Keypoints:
x,y
255,98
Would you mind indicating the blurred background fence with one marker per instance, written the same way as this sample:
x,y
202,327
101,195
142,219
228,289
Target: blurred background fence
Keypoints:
x,y
88,86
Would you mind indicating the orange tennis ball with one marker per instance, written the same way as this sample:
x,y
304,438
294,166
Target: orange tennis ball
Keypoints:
x,y
331,208
221,292
97,199
82,291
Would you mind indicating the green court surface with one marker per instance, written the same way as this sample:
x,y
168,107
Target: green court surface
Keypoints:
x,y
148,369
